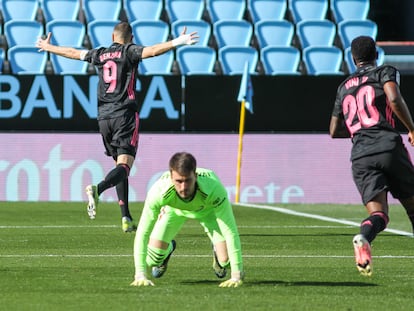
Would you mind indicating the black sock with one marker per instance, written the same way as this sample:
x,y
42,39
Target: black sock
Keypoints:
x,y
122,192
373,225
411,217
114,177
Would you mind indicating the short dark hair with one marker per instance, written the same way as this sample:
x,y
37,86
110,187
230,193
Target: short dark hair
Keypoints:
x,y
124,31
183,163
363,49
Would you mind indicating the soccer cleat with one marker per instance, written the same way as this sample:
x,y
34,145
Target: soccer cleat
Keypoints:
x,y
93,199
363,259
159,271
219,271
128,225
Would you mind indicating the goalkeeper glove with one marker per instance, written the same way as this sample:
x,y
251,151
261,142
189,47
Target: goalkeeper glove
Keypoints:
x,y
141,280
231,283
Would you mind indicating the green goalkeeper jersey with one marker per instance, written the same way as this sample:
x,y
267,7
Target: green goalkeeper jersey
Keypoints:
x,y
210,196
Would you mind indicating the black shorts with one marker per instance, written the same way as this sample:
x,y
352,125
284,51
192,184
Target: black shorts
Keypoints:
x,y
390,171
120,135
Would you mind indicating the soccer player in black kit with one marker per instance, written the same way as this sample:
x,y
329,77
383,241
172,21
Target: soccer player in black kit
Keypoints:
x,y
118,118
366,105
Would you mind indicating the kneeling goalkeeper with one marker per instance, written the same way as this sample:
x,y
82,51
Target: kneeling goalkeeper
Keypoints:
x,y
186,192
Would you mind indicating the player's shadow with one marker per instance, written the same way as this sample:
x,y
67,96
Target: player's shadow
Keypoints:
x,y
287,283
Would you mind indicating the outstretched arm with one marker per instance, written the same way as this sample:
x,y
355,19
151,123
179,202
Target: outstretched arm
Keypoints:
x,y
68,52
161,48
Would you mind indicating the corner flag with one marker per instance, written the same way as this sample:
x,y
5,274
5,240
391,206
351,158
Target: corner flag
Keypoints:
x,y
246,89
245,97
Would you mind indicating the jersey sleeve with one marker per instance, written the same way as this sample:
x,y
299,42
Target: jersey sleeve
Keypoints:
x,y
337,109
389,73
152,206
228,226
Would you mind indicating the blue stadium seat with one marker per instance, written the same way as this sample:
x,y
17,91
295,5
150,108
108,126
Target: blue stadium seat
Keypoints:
x,y
308,9
196,60
26,60
280,60
66,32
143,9
349,9
322,60
160,65
202,27
100,32
22,32
232,32
150,32
19,9
184,9
350,62
316,32
350,29
267,9
101,9
225,9
274,32
66,66
60,9
233,59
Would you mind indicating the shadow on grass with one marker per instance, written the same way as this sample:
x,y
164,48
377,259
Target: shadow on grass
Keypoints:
x,y
286,283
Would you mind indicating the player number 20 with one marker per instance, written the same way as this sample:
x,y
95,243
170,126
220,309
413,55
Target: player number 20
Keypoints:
x,y
360,110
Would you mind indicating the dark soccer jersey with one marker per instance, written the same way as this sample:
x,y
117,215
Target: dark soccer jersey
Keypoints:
x,y
117,70
362,103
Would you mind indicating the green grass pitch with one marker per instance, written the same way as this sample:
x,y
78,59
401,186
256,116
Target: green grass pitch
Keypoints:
x,y
52,257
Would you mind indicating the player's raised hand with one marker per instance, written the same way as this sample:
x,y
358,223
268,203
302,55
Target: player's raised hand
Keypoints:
x,y
186,39
43,42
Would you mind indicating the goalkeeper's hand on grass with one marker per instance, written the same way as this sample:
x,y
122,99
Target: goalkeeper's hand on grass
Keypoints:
x,y
235,281
141,280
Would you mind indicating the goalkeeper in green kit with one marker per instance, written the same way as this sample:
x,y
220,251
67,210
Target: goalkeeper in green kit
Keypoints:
x,y
186,192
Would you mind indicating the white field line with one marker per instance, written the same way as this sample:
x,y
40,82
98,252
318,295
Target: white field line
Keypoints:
x,y
188,226
187,256
319,217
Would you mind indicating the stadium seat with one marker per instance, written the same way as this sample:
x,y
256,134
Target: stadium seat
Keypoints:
x,y
66,32
350,29
274,32
22,32
66,66
150,32
267,9
184,9
101,10
316,32
196,60
350,62
232,32
322,60
100,32
202,27
26,60
143,9
308,9
160,65
280,60
349,9
225,9
19,9
60,9
233,59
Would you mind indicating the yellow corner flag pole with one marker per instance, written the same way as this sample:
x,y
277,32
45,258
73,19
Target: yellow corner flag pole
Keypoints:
x,y
239,154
